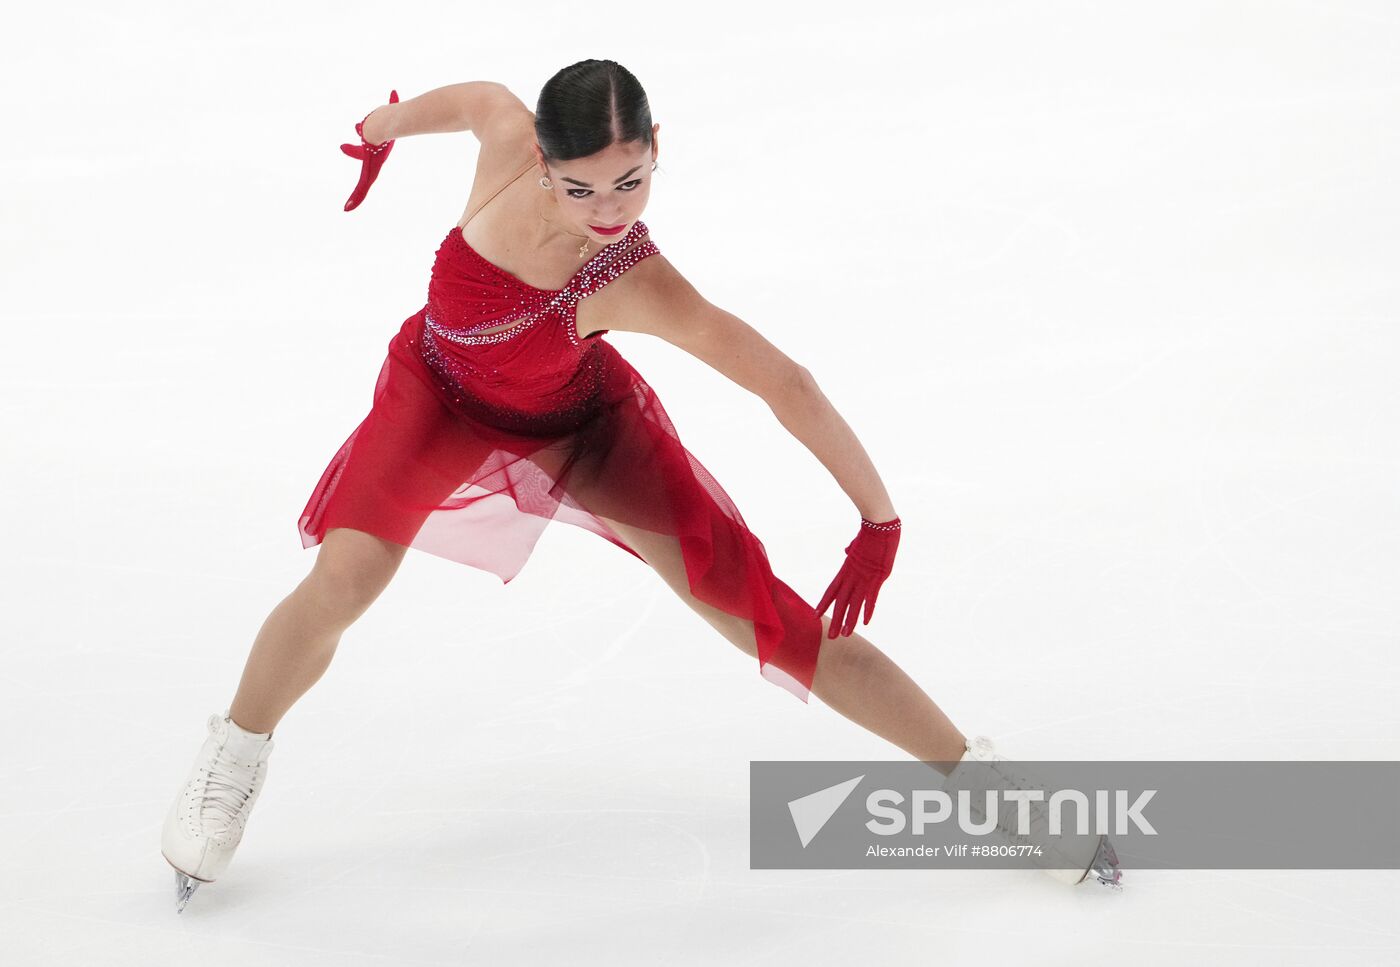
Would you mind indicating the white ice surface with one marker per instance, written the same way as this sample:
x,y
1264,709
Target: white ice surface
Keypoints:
x,y
1107,290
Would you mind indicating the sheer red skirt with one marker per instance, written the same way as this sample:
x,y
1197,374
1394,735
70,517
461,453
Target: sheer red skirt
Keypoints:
x,y
427,470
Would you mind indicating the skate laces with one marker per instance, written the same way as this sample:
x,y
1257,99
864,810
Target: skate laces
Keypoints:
x,y
228,785
1008,818
1060,854
226,789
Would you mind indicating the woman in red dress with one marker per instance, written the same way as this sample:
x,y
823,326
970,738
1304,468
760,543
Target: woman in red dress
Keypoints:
x,y
499,408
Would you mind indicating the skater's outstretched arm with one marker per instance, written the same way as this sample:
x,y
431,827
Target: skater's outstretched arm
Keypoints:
x,y
482,107
662,302
475,106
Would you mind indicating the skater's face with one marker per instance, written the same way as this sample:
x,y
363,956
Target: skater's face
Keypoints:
x,y
603,190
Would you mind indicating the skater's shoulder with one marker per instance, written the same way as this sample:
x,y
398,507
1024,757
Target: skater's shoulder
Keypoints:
x,y
496,115
648,297
662,302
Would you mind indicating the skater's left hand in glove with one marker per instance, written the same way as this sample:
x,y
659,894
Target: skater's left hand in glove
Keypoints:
x,y
869,560
371,157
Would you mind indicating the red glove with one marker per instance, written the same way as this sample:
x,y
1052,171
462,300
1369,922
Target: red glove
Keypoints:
x,y
869,560
370,156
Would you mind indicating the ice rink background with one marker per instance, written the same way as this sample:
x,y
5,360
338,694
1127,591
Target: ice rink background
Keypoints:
x,y
1108,291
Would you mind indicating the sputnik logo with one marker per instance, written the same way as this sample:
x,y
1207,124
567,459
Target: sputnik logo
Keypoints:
x,y
811,812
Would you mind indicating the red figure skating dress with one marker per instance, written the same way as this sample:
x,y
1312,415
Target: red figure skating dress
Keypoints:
x,y
475,442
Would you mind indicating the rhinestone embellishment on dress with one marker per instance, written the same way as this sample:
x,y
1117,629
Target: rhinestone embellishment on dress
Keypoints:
x,y
535,303
482,374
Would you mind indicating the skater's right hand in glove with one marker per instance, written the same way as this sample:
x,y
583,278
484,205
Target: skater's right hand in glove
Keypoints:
x,y
371,157
869,560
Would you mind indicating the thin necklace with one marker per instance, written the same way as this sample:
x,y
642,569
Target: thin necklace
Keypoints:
x,y
582,249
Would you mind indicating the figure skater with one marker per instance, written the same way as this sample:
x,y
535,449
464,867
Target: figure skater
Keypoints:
x,y
500,407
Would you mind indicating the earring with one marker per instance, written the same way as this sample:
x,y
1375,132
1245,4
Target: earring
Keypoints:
x,y
653,166
545,182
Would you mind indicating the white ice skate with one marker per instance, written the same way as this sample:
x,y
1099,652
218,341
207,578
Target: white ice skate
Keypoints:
x,y
206,821
1068,858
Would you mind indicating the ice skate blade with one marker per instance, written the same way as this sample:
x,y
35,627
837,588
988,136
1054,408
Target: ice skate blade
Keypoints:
x,y
184,889
1104,869
185,885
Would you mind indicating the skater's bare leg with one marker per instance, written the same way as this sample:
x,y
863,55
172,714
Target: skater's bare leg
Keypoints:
x,y
853,676
297,641
864,684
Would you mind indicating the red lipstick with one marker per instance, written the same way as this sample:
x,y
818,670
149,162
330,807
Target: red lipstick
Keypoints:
x,y
608,231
